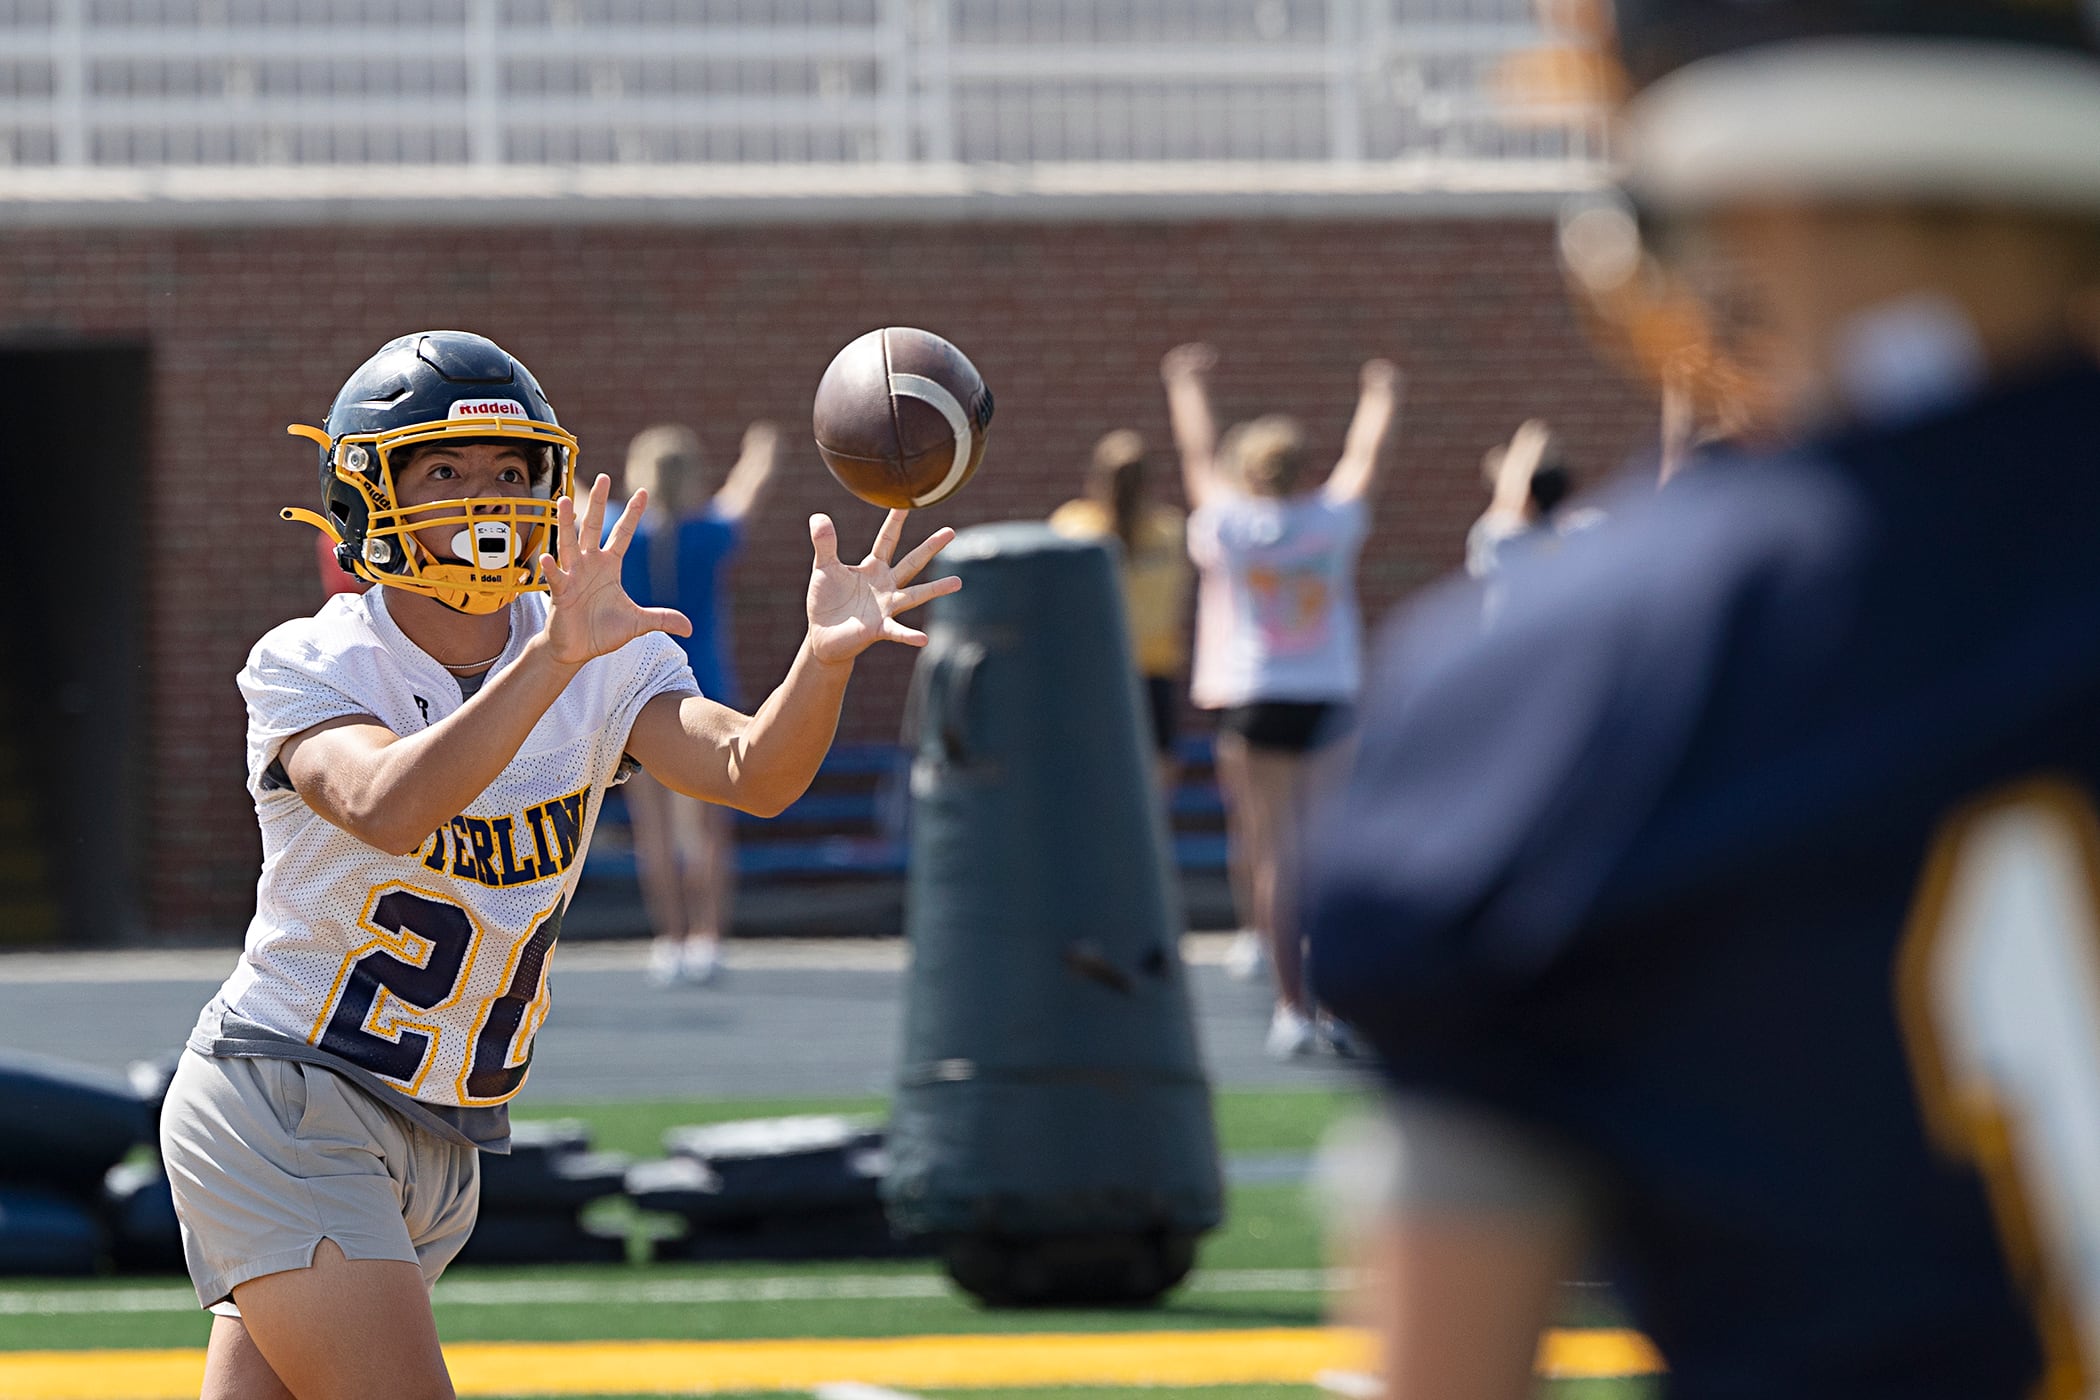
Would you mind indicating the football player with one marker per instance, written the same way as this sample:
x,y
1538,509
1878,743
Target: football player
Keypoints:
x,y
1616,885
427,760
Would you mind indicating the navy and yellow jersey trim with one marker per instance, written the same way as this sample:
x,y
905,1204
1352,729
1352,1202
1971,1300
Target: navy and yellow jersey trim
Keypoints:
x,y
1967,1121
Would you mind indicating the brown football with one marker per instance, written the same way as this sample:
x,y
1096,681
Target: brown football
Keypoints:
x,y
901,417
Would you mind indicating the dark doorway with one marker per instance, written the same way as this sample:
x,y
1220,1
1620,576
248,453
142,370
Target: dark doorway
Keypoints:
x,y
72,688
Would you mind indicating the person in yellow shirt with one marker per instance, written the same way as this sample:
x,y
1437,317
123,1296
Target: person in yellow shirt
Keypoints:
x,y
1155,562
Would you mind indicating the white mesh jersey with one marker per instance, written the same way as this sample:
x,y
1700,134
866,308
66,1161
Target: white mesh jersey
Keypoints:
x,y
428,969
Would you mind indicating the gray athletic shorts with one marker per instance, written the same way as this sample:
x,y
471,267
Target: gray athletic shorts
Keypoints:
x,y
270,1157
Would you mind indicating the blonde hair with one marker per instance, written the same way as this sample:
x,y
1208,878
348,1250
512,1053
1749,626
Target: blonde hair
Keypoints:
x,y
665,460
1266,454
1117,480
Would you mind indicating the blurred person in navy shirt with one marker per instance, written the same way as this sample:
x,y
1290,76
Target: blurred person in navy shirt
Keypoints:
x,y
1616,885
685,851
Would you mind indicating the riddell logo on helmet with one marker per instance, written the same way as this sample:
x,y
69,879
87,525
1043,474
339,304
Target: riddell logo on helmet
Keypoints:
x,y
486,408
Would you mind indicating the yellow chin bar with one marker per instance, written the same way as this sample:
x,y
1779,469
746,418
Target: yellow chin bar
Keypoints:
x,y
505,535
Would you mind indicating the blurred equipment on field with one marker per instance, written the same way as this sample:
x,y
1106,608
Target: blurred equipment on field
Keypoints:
x,y
1052,1126
138,1209
900,418
803,1187
45,1232
532,1200
64,1125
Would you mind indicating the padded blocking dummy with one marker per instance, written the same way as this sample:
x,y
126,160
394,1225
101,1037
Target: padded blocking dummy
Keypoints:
x,y
1052,1125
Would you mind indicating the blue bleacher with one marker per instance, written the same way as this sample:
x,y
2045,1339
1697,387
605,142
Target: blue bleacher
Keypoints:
x,y
852,823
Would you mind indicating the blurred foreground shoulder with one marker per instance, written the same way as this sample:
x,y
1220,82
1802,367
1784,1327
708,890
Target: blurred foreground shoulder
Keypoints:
x,y
1510,754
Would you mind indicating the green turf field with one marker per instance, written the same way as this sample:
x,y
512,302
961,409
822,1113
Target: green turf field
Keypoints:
x,y
1259,1271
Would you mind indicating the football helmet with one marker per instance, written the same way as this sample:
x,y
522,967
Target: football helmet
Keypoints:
x,y
423,388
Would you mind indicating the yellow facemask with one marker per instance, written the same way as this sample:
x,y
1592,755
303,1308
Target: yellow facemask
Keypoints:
x,y
499,538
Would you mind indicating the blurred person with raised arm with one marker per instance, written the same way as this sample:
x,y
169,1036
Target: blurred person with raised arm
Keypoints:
x,y
685,850
1278,634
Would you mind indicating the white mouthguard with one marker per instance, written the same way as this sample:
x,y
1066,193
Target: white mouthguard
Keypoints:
x,y
486,545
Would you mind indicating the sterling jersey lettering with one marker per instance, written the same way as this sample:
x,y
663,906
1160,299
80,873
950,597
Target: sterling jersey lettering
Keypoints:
x,y
428,969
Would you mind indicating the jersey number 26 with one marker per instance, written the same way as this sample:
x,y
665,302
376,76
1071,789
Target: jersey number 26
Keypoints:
x,y
416,964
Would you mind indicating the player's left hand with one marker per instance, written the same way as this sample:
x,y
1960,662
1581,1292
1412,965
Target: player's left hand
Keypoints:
x,y
591,613
854,606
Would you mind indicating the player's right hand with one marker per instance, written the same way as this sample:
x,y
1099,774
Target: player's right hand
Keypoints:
x,y
591,613
854,606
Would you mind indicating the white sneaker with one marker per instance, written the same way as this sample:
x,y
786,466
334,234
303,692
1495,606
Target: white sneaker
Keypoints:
x,y
1338,1040
1291,1035
1246,957
665,962
701,963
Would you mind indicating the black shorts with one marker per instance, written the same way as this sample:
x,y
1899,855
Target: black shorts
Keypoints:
x,y
1163,707
1288,726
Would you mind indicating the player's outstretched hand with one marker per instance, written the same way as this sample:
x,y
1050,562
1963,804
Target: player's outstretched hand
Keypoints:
x,y
591,613
854,606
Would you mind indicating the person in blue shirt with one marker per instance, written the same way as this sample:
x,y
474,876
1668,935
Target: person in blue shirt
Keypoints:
x,y
685,851
1617,882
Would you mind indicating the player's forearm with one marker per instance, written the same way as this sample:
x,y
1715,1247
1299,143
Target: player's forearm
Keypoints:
x,y
1371,424
402,792
1364,447
784,744
1195,432
746,484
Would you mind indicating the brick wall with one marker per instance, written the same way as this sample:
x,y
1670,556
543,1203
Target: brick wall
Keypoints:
x,y
253,329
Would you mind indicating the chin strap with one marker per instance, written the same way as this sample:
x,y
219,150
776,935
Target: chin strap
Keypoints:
x,y
314,518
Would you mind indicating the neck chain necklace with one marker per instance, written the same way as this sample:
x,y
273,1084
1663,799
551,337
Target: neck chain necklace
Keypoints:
x,y
475,665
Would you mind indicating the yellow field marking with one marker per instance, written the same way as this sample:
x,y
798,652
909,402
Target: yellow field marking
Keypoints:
x,y
1596,1353
1287,1355
103,1375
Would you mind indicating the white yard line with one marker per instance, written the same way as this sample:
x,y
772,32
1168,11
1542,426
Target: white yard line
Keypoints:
x,y
854,1390
23,1302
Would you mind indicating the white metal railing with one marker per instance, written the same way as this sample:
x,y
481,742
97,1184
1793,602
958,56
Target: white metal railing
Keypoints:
x,y
140,84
